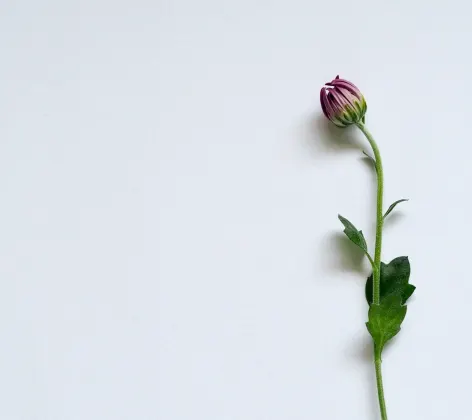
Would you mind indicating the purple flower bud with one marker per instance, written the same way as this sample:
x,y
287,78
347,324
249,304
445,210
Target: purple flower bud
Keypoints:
x,y
342,102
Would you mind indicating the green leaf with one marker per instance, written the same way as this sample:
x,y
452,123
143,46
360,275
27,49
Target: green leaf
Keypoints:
x,y
385,320
370,158
393,205
407,292
394,278
356,236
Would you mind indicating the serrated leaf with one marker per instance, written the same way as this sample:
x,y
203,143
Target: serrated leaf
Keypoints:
x,y
356,236
393,205
394,278
385,320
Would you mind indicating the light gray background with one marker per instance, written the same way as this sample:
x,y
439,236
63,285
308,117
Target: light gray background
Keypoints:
x,y
169,246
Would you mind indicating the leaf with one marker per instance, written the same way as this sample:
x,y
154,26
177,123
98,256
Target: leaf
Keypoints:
x,y
408,291
356,236
370,158
385,320
392,206
394,278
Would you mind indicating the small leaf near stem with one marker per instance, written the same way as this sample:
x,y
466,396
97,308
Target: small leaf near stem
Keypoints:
x,y
355,236
370,158
393,205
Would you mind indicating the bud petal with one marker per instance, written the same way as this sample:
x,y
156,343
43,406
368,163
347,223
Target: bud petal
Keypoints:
x,y
342,102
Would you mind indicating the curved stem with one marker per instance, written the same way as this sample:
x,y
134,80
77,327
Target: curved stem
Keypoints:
x,y
377,261
379,223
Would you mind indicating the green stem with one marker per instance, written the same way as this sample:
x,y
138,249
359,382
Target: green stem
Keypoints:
x,y
379,224
380,390
377,261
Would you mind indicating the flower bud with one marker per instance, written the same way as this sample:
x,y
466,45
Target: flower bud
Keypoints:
x,y
342,102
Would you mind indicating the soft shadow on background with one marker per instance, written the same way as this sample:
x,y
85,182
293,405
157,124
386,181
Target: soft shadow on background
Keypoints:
x,y
340,254
324,138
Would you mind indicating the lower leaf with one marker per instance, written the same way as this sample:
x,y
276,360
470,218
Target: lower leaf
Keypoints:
x,y
385,320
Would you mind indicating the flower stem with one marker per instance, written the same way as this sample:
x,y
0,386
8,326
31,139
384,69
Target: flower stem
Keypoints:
x,y
380,390
377,261
379,223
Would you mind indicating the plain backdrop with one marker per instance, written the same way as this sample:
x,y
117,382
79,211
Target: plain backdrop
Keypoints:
x,y
169,241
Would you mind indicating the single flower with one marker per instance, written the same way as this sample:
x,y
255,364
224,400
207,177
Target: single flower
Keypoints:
x,y
388,287
342,102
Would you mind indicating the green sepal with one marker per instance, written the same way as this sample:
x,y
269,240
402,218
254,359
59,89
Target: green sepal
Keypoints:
x,y
393,205
394,278
385,320
356,236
